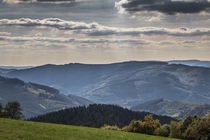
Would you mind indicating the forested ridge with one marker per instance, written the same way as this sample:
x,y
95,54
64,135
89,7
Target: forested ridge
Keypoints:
x,y
96,115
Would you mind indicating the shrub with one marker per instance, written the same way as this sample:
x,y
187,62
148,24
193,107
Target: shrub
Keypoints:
x,y
147,127
164,130
135,126
109,127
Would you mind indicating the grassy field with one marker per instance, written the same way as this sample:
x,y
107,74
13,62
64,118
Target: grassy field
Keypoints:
x,y
22,130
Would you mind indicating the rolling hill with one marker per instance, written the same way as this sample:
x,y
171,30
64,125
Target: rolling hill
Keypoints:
x,y
13,129
197,63
96,115
5,71
126,84
36,99
176,109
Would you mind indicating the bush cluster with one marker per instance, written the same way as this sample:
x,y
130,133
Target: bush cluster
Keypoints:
x,y
190,128
148,126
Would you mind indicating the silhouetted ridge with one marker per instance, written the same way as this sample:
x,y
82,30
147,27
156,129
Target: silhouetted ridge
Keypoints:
x,y
96,115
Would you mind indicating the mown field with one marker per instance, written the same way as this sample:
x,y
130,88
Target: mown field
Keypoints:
x,y
23,130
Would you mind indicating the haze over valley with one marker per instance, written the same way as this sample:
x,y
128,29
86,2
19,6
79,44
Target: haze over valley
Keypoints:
x,y
135,66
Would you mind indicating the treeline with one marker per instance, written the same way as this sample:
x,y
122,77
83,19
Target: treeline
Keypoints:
x,y
12,110
96,115
190,128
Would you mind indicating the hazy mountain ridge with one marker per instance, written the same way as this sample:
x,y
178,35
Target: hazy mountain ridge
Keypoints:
x,y
176,109
5,71
16,67
75,77
126,84
197,63
175,82
35,99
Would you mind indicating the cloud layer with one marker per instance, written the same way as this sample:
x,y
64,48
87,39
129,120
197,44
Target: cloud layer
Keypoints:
x,y
37,1
95,29
169,7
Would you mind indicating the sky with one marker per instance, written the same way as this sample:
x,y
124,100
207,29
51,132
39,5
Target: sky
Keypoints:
x,y
37,32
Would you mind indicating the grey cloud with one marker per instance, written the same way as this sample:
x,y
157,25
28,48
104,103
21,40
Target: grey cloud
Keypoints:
x,y
42,39
166,43
37,1
72,40
4,33
95,29
54,46
152,31
2,39
169,7
189,42
99,41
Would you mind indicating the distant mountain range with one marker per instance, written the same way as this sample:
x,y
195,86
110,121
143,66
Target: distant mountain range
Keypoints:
x,y
36,99
16,67
96,115
197,63
126,84
176,109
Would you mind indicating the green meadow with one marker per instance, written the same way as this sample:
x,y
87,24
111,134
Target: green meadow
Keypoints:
x,y
24,130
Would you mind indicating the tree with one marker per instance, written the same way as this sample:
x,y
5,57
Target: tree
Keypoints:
x,y
186,122
13,110
1,109
175,130
150,124
198,130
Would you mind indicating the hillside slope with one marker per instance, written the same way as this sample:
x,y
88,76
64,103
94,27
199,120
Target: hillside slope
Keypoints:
x,y
126,84
197,63
96,115
13,129
175,109
36,99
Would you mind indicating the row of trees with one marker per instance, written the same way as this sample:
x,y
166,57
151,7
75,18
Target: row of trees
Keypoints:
x,y
190,128
12,110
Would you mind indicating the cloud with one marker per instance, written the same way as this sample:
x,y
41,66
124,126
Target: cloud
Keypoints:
x,y
4,33
17,39
38,1
95,29
48,22
169,7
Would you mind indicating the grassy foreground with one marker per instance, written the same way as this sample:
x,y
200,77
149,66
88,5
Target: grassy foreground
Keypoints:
x,y
22,130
